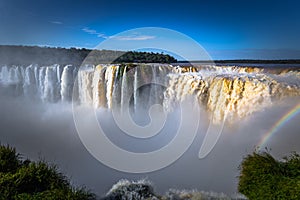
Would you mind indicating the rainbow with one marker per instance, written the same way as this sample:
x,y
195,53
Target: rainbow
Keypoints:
x,y
285,118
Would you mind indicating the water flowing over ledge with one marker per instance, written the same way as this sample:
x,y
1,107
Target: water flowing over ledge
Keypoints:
x,y
232,92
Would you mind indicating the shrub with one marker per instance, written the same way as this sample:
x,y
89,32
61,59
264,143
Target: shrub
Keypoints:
x,y
263,177
34,180
9,159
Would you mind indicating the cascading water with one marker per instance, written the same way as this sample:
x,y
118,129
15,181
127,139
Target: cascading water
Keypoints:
x,y
29,82
49,84
135,89
240,90
66,84
124,88
51,90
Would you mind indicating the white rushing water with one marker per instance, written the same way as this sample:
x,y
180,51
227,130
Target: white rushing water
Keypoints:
x,y
46,83
239,90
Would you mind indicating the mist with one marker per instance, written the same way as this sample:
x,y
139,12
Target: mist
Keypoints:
x,y
47,131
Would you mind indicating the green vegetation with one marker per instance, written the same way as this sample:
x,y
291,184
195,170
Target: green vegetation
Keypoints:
x,y
263,177
26,55
144,57
24,179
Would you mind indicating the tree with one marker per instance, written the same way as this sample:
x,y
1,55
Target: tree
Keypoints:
x,y
34,180
264,177
26,55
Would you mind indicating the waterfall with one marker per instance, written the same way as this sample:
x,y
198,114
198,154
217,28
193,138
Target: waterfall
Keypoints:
x,y
240,90
66,83
97,88
41,81
109,80
5,74
85,82
29,82
153,88
46,83
135,89
51,88
124,88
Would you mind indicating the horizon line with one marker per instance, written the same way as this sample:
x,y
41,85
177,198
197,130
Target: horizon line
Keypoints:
x,y
179,61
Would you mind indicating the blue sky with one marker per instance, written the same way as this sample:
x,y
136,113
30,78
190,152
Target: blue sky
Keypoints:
x,y
226,29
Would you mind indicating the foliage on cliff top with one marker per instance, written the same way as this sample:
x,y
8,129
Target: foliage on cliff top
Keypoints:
x,y
26,55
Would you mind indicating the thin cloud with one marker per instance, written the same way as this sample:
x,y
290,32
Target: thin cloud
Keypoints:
x,y
89,31
134,37
101,35
56,22
94,32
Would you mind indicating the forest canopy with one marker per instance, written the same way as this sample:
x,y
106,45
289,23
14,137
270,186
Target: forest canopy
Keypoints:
x,y
26,55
